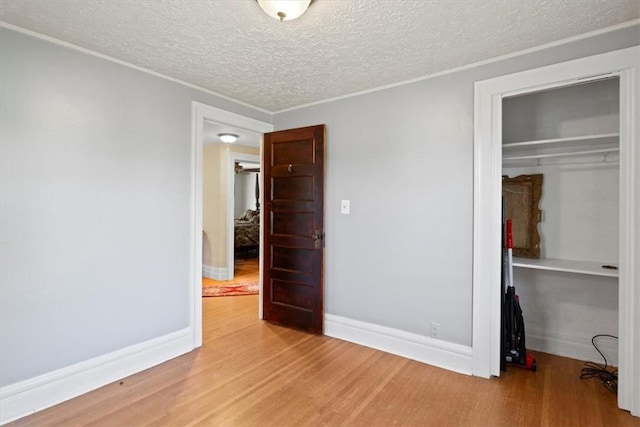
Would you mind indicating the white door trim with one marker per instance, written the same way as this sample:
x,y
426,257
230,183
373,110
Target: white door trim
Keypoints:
x,y
487,208
199,113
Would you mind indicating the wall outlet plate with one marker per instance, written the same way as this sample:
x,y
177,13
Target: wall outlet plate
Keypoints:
x,y
435,330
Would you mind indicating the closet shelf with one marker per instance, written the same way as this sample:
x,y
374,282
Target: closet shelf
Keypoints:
x,y
567,266
564,142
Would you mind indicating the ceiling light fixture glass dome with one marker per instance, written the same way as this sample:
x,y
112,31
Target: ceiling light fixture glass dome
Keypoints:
x,y
228,138
284,10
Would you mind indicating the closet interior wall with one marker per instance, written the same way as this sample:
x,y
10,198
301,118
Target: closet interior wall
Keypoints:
x,y
571,136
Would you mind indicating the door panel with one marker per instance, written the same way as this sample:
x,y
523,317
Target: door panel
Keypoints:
x,y
293,256
293,152
290,224
291,293
292,259
292,188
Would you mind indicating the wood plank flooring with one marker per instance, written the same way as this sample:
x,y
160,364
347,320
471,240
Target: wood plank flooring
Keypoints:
x,y
250,373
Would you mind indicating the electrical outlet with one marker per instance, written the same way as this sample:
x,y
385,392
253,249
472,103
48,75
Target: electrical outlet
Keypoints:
x,y
435,330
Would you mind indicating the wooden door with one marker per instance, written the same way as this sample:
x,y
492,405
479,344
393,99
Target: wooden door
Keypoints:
x,y
293,255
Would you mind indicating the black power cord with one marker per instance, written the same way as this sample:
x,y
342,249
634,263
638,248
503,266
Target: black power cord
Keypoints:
x,y
594,370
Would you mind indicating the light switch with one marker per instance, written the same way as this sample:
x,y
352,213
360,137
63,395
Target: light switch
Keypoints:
x,y
345,207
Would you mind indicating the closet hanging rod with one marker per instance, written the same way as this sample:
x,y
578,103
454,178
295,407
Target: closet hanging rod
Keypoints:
x,y
573,153
558,140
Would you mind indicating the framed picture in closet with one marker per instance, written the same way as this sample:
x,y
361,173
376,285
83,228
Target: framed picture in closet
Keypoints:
x,y
521,196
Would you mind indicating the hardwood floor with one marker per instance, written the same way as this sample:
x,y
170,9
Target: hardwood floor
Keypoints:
x,y
249,373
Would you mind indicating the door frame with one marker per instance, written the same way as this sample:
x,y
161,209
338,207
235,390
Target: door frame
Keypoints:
x,y
487,207
199,113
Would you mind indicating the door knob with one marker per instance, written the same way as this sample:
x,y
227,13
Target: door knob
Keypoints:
x,y
317,237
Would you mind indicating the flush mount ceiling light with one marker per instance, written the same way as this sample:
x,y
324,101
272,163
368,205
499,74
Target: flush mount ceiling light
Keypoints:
x,y
228,138
284,10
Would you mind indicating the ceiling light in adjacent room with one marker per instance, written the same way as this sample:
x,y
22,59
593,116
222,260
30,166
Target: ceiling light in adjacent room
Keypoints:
x,y
228,138
284,10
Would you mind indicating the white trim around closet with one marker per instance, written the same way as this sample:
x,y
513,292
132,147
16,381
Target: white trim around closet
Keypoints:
x,y
487,207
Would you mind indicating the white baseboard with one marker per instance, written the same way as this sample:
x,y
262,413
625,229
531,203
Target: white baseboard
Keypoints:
x,y
215,273
35,394
454,357
573,345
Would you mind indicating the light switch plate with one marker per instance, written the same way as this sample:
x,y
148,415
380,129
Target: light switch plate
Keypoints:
x,y
345,207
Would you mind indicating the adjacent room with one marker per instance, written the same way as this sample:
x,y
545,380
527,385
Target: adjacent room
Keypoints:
x,y
231,210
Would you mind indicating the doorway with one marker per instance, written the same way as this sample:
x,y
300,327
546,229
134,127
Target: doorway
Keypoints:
x,y
489,95
202,113
231,200
244,195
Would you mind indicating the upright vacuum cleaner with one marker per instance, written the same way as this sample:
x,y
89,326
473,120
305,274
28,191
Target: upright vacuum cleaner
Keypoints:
x,y
514,340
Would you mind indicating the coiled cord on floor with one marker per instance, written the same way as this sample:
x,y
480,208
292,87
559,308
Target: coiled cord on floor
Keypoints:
x,y
608,377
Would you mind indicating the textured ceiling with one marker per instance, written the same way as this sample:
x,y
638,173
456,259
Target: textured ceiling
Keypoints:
x,y
337,47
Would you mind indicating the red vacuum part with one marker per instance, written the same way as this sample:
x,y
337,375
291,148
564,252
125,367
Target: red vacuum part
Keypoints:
x,y
509,234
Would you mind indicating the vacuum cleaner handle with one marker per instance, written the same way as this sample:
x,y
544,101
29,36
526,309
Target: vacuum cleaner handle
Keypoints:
x,y
510,252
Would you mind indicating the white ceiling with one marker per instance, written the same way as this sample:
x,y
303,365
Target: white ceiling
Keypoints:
x,y
338,47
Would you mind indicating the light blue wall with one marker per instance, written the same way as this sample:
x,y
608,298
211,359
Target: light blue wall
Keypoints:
x,y
404,157
95,205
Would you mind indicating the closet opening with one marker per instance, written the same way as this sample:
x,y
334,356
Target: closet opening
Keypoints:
x,y
567,140
597,108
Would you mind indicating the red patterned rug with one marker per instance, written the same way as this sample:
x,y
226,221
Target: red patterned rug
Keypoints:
x,y
233,289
